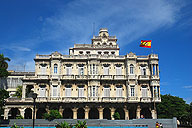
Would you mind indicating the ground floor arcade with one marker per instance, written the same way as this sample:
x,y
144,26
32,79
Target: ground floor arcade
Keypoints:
x,y
83,110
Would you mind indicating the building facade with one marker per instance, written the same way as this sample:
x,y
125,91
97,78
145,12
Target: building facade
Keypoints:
x,y
92,82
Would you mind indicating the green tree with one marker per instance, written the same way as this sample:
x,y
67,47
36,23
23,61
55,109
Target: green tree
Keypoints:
x,y
18,92
3,66
64,125
190,113
116,116
173,106
3,95
53,114
81,124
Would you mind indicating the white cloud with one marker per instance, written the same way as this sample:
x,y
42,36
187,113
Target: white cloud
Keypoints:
x,y
188,87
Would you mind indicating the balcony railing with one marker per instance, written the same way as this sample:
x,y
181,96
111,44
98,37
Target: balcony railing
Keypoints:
x,y
105,77
68,77
80,77
116,77
144,77
132,99
43,76
113,99
145,99
132,76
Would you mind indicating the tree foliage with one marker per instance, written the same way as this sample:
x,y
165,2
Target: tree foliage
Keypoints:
x,y
64,125
173,106
3,66
81,124
53,114
18,92
116,116
3,95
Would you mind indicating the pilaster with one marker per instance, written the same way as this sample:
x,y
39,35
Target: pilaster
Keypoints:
x,y
112,113
74,113
138,114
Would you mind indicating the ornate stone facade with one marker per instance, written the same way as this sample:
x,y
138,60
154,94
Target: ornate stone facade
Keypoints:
x,y
92,82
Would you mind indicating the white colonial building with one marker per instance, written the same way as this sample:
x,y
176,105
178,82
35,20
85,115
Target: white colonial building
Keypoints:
x,y
92,82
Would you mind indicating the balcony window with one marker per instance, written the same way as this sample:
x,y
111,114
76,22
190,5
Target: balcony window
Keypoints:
x,y
81,91
94,91
54,92
119,91
106,91
68,91
131,69
143,70
106,70
43,69
42,91
68,70
81,69
93,69
118,70
55,68
144,91
132,91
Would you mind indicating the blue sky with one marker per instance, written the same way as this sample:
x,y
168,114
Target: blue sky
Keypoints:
x,y
44,26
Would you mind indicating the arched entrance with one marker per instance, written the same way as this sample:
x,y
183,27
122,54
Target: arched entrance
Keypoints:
x,y
80,113
146,113
132,113
107,113
13,113
28,113
40,112
93,113
121,113
68,113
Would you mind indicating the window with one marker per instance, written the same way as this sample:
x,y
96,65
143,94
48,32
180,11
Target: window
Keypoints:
x,y
106,70
119,91
43,69
68,70
144,91
112,53
80,52
42,91
93,91
156,92
99,52
131,69
132,91
88,52
54,91
68,90
93,69
81,70
55,68
143,70
118,70
81,91
106,91
106,53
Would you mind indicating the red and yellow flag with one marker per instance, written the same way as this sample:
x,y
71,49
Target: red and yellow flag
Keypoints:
x,y
145,43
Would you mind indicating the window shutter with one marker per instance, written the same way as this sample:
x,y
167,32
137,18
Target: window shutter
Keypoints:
x,y
81,92
144,92
106,92
106,70
118,71
54,91
43,70
119,92
67,92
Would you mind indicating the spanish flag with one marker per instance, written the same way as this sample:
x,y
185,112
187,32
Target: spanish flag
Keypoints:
x,y
145,43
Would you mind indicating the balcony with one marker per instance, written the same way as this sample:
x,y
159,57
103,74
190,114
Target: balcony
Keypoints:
x,y
41,99
74,99
70,77
132,77
55,99
154,77
144,77
81,77
145,99
106,77
133,99
119,77
113,99
43,76
95,77
55,76
156,99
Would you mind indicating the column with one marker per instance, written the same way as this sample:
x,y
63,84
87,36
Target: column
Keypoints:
x,y
155,70
74,113
100,109
151,69
87,112
154,114
22,112
126,114
6,112
23,91
61,110
138,112
112,113
35,113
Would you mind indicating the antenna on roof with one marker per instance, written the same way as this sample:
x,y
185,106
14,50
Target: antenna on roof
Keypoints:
x,y
93,28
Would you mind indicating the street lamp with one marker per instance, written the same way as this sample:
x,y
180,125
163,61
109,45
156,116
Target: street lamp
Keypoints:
x,y
34,96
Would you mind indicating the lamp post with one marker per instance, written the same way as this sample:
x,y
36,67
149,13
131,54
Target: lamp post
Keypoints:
x,y
34,96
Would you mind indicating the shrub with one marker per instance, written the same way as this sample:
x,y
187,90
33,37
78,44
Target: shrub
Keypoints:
x,y
53,114
19,117
64,125
81,124
15,126
116,116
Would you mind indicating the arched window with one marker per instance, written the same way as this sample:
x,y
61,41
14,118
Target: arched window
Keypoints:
x,y
55,68
131,69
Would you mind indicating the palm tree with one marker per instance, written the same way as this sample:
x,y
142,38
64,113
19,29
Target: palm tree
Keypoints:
x,y
3,61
